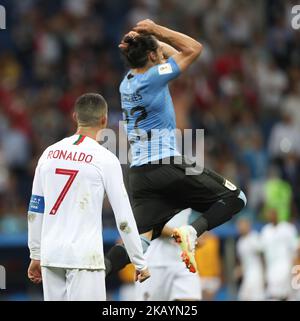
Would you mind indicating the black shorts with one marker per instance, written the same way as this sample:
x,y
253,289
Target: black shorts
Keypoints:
x,y
158,191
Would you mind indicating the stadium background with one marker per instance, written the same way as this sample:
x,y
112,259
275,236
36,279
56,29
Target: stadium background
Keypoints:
x,y
244,91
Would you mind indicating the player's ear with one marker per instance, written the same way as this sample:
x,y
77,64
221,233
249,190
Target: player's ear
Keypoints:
x,y
153,56
103,121
74,117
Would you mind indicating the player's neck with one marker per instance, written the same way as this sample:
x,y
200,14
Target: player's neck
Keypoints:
x,y
143,69
88,131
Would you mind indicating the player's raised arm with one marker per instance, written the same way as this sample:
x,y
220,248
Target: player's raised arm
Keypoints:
x,y
168,50
126,224
188,48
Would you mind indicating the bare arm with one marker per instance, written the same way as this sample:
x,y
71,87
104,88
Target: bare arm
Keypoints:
x,y
168,50
188,48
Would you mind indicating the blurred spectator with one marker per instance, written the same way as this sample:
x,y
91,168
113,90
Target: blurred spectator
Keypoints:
x,y
208,260
250,268
291,101
278,195
284,136
279,242
255,157
127,289
15,146
272,82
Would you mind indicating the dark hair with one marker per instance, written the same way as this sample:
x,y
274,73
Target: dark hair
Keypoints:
x,y
89,108
136,52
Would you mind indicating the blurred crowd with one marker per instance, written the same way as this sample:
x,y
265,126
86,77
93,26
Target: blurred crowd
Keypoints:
x,y
244,90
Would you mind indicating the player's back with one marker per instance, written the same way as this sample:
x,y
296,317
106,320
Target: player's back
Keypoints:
x,y
149,113
70,178
279,242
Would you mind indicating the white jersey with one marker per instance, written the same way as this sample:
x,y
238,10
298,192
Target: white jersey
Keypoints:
x,y
64,215
279,244
249,251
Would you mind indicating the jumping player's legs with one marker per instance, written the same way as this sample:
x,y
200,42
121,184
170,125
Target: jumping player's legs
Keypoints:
x,y
158,192
210,194
54,284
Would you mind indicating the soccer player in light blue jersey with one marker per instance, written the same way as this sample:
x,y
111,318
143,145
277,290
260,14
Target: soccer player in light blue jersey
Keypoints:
x,y
158,184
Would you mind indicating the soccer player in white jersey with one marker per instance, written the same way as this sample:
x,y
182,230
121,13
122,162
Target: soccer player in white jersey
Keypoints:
x,y
279,244
64,215
170,280
249,255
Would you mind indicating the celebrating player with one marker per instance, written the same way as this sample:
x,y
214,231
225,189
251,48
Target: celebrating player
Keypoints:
x,y
64,216
156,55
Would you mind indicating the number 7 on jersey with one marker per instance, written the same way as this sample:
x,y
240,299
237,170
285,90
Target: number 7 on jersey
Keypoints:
x,y
72,174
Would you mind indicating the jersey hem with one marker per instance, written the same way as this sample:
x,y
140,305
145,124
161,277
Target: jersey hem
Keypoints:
x,y
71,266
153,159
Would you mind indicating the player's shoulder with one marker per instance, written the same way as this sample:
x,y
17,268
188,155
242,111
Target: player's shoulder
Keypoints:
x,y
105,156
266,229
51,147
164,68
287,227
167,67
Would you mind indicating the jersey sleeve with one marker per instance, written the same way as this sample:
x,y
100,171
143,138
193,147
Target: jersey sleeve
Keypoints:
x,y
160,75
118,198
35,216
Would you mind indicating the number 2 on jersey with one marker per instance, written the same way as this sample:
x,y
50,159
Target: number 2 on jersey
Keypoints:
x,y
141,117
72,174
133,110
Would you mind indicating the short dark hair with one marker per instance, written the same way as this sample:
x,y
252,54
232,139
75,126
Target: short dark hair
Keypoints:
x,y
89,108
136,52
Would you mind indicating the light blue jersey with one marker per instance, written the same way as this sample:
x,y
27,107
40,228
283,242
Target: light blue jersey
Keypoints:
x,y
149,113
